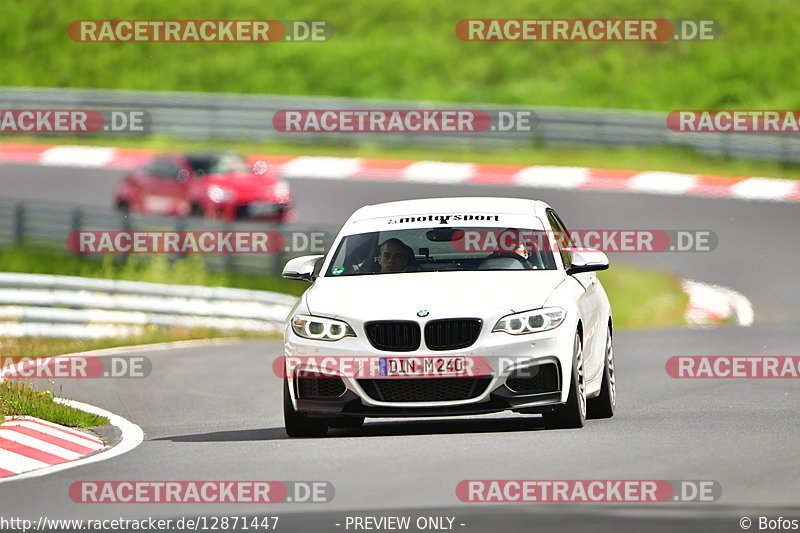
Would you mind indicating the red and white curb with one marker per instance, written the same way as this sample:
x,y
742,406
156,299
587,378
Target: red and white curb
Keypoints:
x,y
131,435
28,443
713,304
30,447
539,176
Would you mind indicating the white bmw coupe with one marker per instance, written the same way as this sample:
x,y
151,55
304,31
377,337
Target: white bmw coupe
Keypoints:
x,y
451,306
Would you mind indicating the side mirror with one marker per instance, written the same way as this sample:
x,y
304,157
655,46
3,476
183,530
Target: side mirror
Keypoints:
x,y
301,268
587,260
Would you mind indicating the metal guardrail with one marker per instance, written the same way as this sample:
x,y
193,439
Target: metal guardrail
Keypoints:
x,y
235,117
45,226
36,305
65,306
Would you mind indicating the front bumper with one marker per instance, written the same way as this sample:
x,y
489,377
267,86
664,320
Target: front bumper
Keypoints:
x,y
502,399
504,354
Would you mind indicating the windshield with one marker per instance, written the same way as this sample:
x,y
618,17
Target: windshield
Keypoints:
x,y
442,250
219,164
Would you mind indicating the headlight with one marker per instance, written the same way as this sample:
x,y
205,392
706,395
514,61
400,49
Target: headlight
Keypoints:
x,y
281,191
321,329
531,321
219,194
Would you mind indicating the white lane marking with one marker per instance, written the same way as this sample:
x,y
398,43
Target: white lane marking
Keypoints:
x,y
662,182
552,177
321,167
33,442
132,436
764,189
438,172
77,156
17,463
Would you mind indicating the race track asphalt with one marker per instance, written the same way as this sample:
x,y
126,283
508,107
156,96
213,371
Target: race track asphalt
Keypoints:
x,y
213,412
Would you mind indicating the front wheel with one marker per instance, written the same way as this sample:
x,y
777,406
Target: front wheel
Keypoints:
x,y
606,403
573,413
196,211
298,424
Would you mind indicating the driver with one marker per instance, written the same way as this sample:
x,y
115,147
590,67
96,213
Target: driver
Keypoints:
x,y
512,243
394,256
511,237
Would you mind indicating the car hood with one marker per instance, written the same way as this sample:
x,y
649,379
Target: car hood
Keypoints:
x,y
441,294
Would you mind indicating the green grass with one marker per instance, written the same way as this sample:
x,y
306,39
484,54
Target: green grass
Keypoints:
x,y
409,50
19,399
641,298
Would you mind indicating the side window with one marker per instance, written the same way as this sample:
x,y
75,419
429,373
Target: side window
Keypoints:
x,y
562,237
164,169
318,266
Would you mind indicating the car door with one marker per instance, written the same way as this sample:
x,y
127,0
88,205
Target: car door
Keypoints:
x,y
588,301
165,190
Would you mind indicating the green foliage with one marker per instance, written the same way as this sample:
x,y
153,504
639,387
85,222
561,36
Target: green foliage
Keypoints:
x,y
409,50
18,399
644,298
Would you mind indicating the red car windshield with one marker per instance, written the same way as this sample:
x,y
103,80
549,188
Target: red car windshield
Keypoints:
x,y
219,164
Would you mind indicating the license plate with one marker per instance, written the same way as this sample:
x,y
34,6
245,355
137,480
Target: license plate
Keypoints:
x,y
423,366
260,209
158,204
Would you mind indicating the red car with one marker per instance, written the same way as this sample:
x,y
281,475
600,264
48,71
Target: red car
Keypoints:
x,y
221,186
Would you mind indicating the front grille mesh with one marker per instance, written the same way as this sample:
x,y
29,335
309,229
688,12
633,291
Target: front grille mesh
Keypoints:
x,y
320,387
452,333
534,380
394,336
424,389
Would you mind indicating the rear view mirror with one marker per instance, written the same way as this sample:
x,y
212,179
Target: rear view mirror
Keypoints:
x,y
445,234
301,268
587,260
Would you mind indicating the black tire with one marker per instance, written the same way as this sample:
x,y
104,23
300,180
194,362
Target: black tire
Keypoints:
x,y
352,422
605,404
298,424
123,207
573,413
196,211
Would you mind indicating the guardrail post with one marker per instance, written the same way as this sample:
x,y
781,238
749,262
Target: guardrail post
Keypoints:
x,y
19,224
76,220
725,146
126,226
125,221
228,262
180,225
